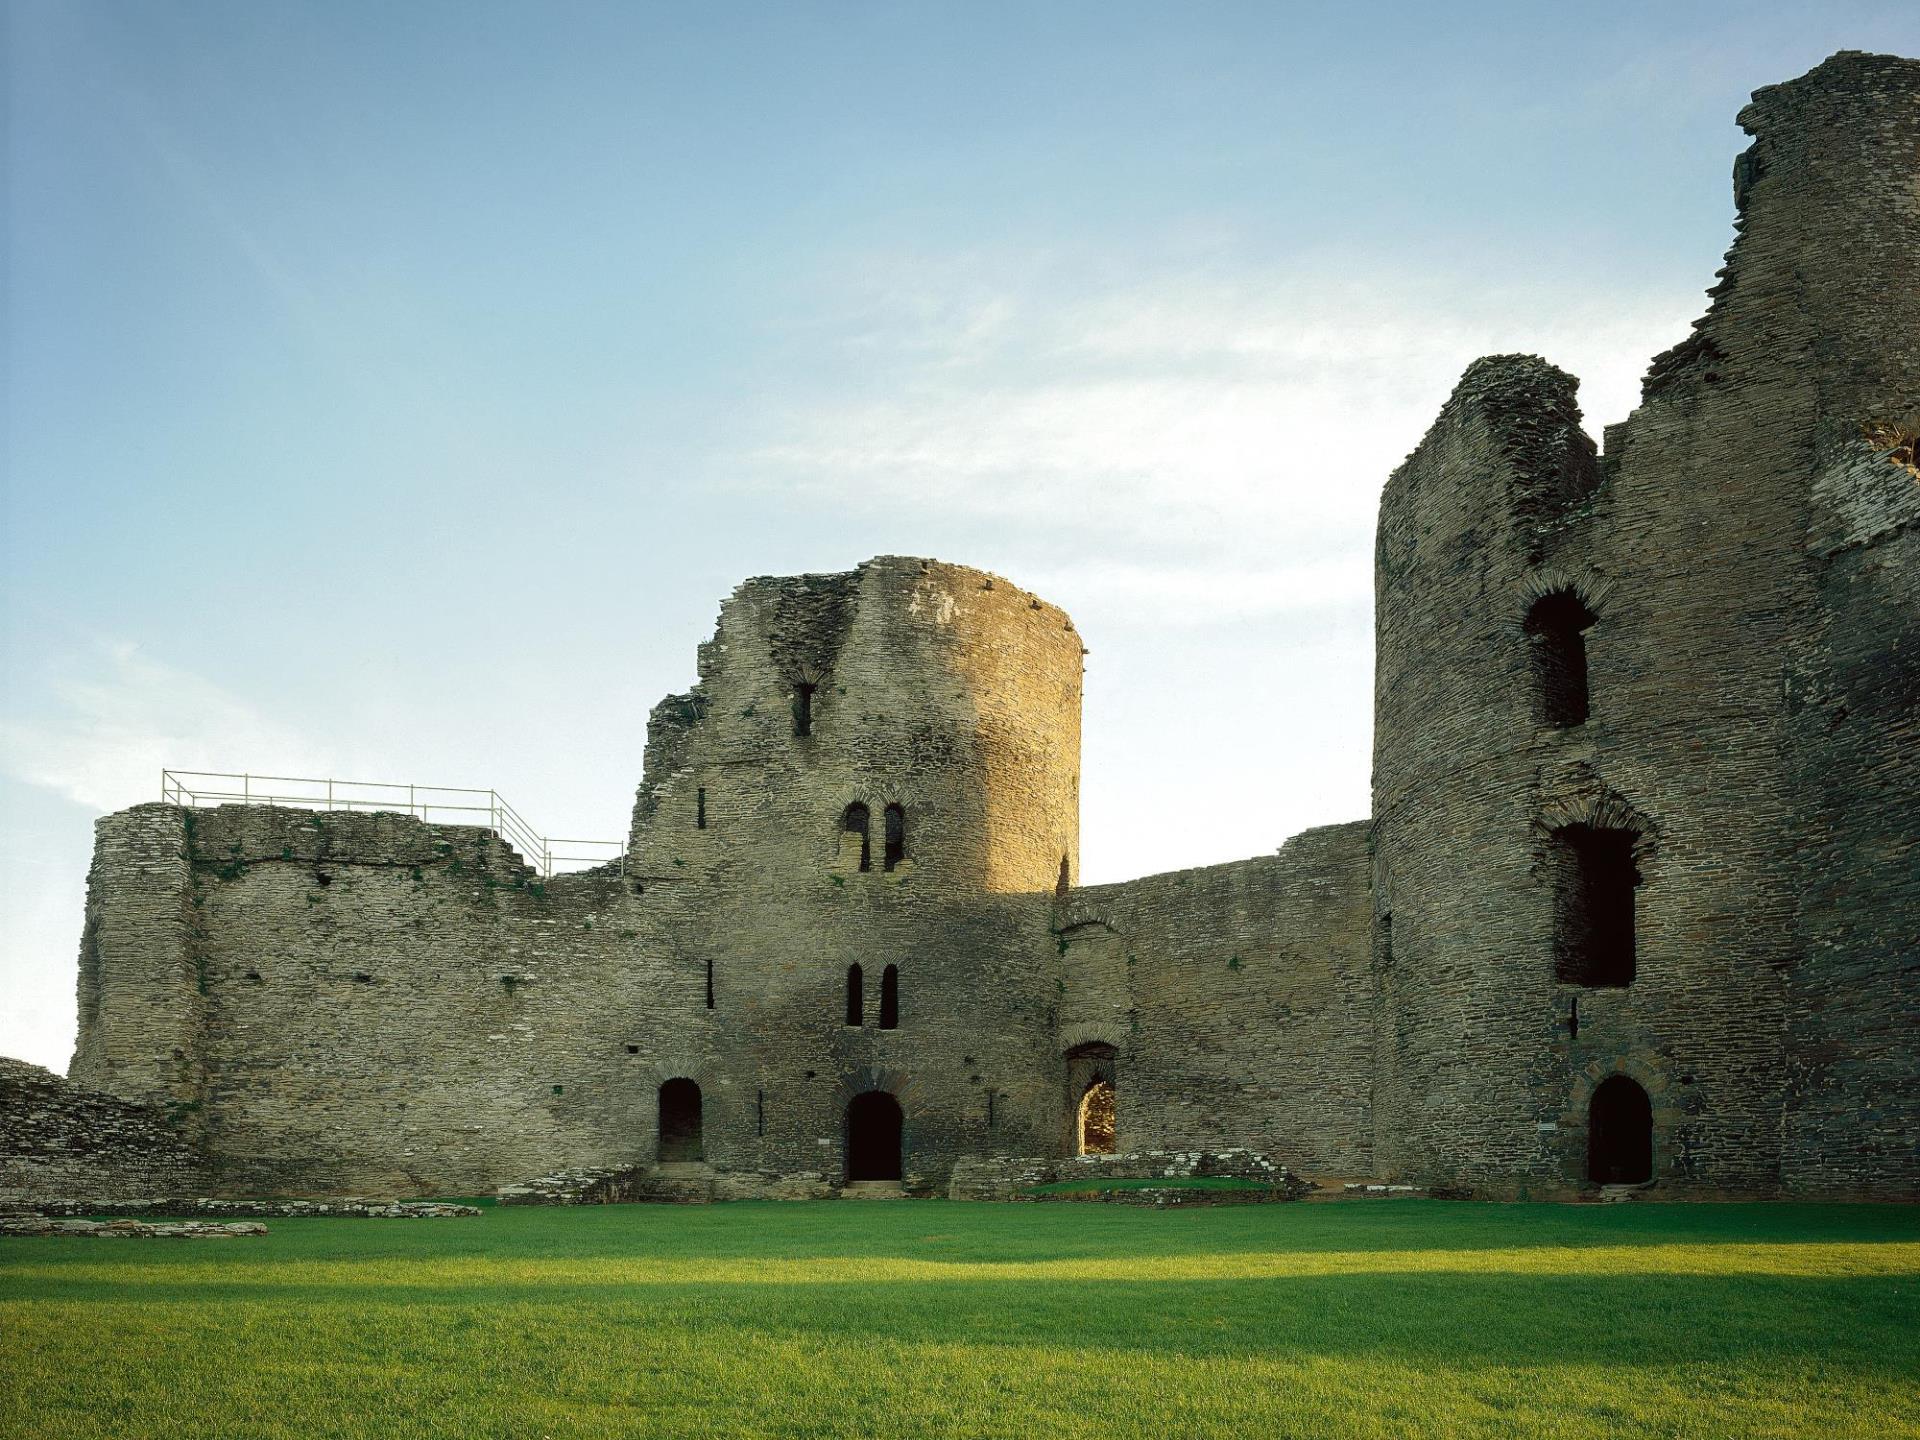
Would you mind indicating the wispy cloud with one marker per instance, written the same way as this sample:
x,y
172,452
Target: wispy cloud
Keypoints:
x,y
1214,433
115,716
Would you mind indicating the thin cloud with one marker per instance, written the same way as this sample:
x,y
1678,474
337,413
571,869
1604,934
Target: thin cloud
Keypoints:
x,y
118,716
1210,428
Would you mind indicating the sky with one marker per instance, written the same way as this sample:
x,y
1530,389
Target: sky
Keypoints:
x,y
394,392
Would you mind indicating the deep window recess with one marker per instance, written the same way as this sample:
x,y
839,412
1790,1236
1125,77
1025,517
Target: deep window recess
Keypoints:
x,y
1620,1134
680,1122
896,823
855,822
890,998
803,708
1556,639
856,996
1594,878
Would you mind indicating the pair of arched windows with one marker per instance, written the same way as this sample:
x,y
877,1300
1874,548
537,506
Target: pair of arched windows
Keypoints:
x,y
889,997
857,820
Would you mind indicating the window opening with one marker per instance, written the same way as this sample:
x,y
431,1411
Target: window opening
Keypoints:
x,y
896,835
1594,878
1556,637
854,821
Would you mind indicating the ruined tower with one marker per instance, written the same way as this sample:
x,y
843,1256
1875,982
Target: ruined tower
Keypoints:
x,y
1637,811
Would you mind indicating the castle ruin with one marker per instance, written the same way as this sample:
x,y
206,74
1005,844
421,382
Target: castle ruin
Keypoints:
x,y
1639,900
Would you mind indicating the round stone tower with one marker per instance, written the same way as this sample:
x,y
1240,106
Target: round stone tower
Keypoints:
x,y
932,709
848,844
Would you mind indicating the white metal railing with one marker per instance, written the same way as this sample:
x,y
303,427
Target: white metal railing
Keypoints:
x,y
451,804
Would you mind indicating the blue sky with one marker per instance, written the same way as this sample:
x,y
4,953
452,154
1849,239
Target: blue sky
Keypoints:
x,y
395,391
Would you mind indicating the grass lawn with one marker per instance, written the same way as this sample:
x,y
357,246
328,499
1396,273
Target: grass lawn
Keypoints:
x,y
1384,1318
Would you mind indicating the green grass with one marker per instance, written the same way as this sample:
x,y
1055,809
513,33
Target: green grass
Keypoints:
x,y
1387,1318
1169,1182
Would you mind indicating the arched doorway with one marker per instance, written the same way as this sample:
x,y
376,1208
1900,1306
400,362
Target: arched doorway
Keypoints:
x,y
873,1137
1092,1109
1620,1134
679,1122
1096,1127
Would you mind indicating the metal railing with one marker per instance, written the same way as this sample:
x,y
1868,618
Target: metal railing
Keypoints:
x,y
450,804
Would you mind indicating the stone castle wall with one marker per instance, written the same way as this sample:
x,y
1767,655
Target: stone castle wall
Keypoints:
x,y
61,1141
334,1003
1240,999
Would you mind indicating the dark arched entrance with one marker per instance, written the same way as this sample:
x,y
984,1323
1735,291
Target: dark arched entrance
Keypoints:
x,y
679,1122
873,1137
1620,1134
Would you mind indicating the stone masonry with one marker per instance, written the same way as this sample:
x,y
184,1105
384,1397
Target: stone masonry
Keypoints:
x,y
1638,901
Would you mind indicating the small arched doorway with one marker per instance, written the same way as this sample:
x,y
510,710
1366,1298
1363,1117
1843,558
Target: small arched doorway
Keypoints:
x,y
1620,1134
680,1139
1092,1108
873,1137
1096,1126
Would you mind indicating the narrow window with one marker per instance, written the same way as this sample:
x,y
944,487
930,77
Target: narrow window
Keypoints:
x,y
896,819
700,808
680,1122
709,983
890,998
854,822
1555,629
1593,883
1060,885
759,1112
856,996
803,708
989,1109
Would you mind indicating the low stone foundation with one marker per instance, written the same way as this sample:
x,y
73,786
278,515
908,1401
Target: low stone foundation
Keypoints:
x,y
661,1185
1170,1197
130,1229
1004,1177
272,1209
